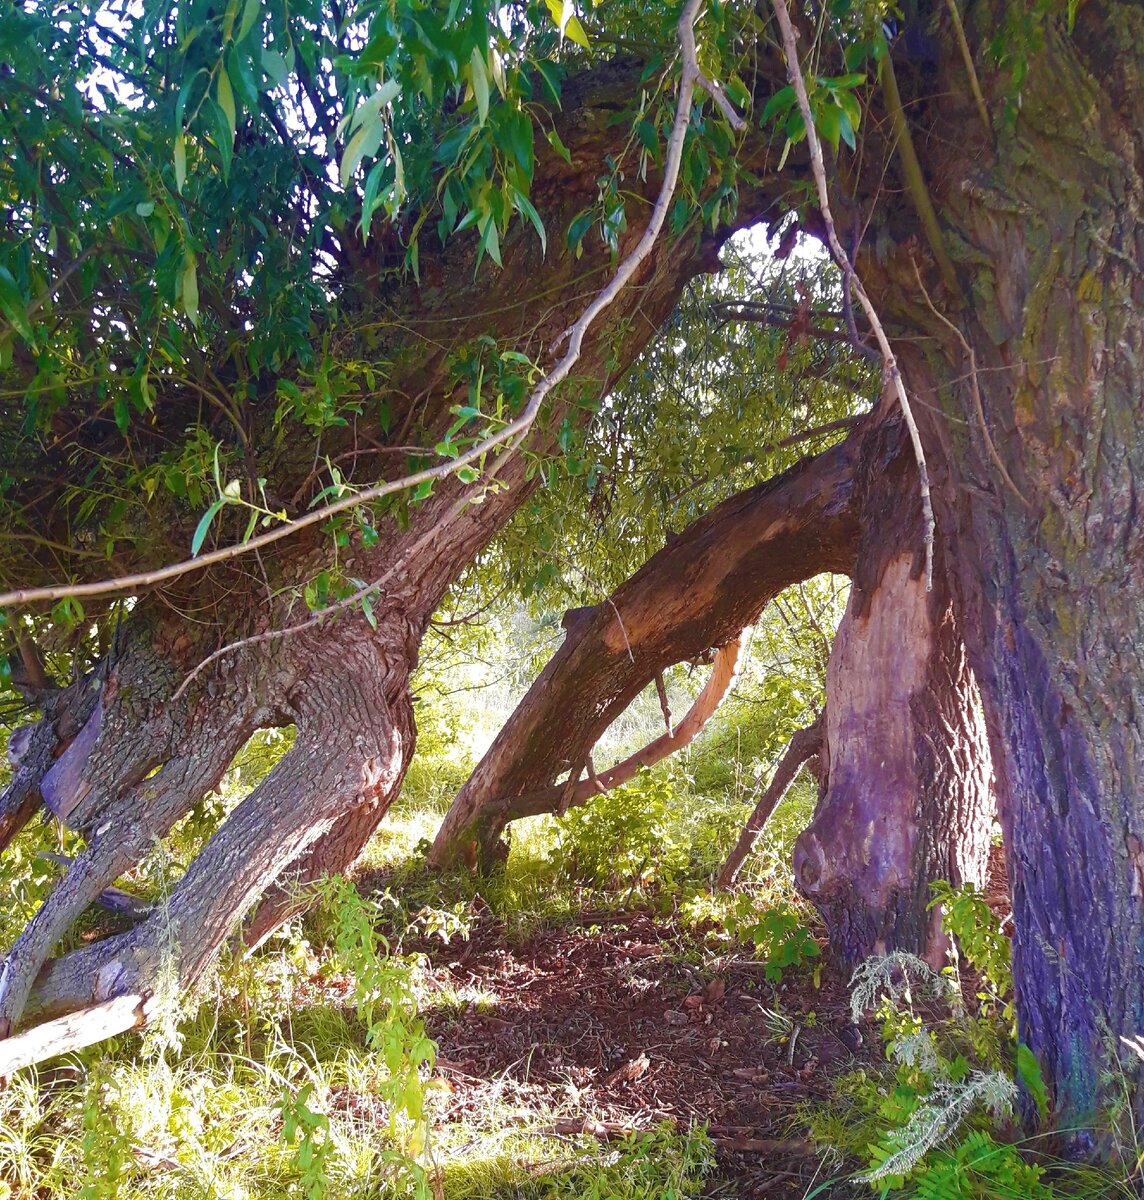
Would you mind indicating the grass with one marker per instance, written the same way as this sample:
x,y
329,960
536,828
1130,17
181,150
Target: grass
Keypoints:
x,y
277,1083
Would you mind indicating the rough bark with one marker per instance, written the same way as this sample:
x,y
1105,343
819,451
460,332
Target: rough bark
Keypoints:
x,y
146,750
698,592
908,786
1032,415
804,745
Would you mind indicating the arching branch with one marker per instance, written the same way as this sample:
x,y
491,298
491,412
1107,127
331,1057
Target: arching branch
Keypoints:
x,y
699,591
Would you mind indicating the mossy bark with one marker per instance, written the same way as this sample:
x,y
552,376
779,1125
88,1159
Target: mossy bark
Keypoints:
x,y
1032,415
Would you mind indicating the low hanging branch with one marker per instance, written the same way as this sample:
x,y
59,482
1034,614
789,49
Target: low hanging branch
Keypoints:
x,y
516,430
724,672
804,745
850,276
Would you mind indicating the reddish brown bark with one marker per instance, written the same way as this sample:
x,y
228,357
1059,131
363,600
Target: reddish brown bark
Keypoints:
x,y
698,592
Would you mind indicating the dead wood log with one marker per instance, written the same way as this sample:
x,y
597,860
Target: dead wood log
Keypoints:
x,y
73,1032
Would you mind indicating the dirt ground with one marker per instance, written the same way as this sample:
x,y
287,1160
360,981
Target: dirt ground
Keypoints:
x,y
606,1024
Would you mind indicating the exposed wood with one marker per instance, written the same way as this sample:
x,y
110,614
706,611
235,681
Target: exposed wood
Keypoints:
x,y
575,791
72,1032
908,796
699,591
804,744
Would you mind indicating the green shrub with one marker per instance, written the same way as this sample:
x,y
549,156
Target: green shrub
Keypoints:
x,y
777,932
623,838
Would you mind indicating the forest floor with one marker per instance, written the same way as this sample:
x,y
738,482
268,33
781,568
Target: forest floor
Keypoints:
x,y
605,1027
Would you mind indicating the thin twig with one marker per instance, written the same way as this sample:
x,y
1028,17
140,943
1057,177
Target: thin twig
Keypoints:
x,y
516,430
850,276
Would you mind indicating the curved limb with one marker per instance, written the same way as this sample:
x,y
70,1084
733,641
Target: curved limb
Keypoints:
x,y
700,591
143,814
349,755
560,797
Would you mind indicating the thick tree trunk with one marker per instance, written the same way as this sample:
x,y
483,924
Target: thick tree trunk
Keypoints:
x,y
908,785
698,592
143,750
1032,409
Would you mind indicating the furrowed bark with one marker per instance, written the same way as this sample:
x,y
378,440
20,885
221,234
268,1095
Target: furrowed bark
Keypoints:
x,y
908,796
1034,418
804,745
698,592
148,749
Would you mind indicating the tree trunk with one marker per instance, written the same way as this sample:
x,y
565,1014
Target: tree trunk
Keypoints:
x,y
140,742
1032,409
908,795
698,592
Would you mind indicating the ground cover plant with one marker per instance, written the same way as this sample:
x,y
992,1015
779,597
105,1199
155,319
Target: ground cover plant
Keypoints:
x,y
590,1018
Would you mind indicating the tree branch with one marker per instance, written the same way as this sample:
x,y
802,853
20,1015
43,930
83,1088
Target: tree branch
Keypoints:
x,y
850,276
514,433
804,744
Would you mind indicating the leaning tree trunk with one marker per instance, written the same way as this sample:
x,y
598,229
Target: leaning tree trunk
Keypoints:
x,y
908,786
909,797
195,670
697,593
1030,398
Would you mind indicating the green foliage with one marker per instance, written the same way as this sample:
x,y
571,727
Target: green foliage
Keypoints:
x,y
623,838
971,921
778,934
106,1142
657,1165
976,1168
931,1126
395,1033
311,1131
698,417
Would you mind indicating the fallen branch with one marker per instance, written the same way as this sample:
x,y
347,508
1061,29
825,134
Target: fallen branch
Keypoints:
x,y
72,1032
804,744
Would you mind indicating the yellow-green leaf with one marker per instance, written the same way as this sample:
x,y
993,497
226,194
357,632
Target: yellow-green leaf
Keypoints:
x,y
567,22
226,100
190,289
479,74
180,161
